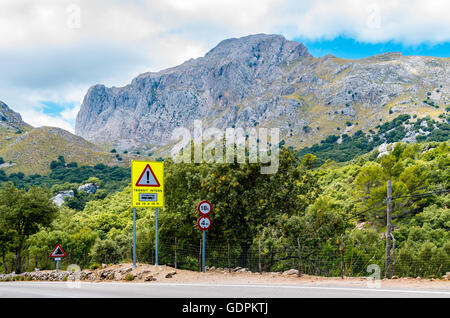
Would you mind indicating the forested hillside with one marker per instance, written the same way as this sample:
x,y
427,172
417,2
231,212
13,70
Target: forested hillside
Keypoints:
x,y
344,147
336,212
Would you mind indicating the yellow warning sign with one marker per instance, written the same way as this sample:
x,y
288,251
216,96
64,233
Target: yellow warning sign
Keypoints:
x,y
147,184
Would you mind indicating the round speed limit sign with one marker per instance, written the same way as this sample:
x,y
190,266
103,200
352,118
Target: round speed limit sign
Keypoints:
x,y
204,222
204,208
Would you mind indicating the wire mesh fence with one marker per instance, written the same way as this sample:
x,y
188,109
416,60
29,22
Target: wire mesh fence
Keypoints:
x,y
348,259
323,260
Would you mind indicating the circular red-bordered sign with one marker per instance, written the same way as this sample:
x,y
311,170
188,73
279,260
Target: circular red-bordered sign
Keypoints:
x,y
204,208
204,222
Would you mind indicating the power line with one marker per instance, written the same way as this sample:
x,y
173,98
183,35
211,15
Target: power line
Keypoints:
x,y
406,196
423,194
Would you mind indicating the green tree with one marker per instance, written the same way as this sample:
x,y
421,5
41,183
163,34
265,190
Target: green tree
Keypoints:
x,y
24,213
5,244
106,251
370,176
309,161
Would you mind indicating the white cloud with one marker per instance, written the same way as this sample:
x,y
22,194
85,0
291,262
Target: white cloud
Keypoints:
x,y
25,23
406,21
54,50
37,119
70,114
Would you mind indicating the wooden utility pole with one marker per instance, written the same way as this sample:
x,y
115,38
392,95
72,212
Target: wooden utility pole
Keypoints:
x,y
299,258
388,229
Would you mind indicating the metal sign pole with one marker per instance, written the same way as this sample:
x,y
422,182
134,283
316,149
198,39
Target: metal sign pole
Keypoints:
x,y
203,253
57,266
204,223
134,237
147,190
156,237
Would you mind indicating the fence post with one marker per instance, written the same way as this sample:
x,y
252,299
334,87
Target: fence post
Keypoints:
x,y
259,258
229,263
200,257
388,230
393,255
175,252
342,257
299,258
151,260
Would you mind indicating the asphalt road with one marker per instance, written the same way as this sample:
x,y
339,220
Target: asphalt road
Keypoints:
x,y
155,290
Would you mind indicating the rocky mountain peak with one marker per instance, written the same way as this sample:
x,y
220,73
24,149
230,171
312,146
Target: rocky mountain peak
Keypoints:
x,y
259,46
268,81
11,119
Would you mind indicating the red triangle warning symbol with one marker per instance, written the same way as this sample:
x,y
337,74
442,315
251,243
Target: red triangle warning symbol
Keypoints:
x,y
57,251
147,178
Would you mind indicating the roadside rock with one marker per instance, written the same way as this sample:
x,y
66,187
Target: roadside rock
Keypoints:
x,y
291,272
242,270
170,274
149,278
143,274
125,270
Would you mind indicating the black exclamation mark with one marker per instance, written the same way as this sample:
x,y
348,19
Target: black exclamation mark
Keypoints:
x,y
148,176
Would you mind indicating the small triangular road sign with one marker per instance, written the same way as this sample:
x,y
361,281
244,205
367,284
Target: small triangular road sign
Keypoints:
x,y
57,251
147,178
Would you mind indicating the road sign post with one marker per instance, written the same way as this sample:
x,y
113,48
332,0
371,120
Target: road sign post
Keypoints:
x,y
156,237
57,263
134,237
56,254
147,190
204,251
204,223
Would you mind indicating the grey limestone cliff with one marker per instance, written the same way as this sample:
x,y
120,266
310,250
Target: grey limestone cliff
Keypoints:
x,y
264,81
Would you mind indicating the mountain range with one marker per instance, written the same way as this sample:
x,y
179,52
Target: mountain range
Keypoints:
x,y
265,81
254,81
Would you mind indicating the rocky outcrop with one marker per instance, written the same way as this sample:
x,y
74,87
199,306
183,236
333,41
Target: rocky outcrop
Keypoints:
x,y
88,187
11,119
262,80
61,196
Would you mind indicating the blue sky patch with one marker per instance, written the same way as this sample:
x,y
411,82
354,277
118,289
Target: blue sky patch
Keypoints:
x,y
349,48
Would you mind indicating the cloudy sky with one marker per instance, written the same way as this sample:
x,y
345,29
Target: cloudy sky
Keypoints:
x,y
51,51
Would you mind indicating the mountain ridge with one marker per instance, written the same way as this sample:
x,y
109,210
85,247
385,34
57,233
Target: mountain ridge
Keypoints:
x,y
30,149
265,81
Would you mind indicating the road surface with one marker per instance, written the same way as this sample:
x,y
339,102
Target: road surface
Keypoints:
x,y
172,290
